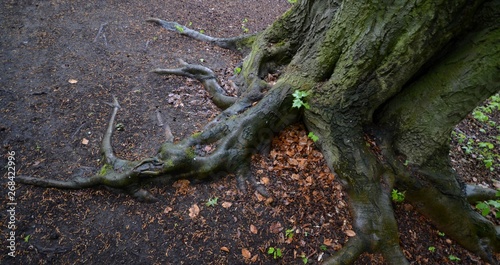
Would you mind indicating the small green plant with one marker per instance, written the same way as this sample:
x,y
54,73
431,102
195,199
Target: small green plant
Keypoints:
x,y
453,258
440,233
397,196
244,25
313,137
120,127
275,252
486,145
298,99
432,249
105,169
289,233
202,31
480,115
237,70
27,238
304,258
179,28
483,146
486,154
323,247
212,202
485,206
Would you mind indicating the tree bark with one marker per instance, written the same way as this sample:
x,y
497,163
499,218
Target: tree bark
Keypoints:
x,y
387,82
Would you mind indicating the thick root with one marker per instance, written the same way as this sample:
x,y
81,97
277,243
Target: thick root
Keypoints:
x,y
205,76
106,147
476,193
236,138
454,216
240,43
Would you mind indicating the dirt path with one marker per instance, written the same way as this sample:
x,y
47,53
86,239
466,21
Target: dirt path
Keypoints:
x,y
61,60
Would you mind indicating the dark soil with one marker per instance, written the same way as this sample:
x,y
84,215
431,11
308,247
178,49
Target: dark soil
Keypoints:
x,y
61,60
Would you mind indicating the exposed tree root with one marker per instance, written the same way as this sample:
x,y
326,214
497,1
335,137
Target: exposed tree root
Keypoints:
x,y
476,193
234,132
240,43
433,188
207,77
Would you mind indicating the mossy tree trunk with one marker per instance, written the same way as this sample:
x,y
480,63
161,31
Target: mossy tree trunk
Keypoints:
x,y
387,83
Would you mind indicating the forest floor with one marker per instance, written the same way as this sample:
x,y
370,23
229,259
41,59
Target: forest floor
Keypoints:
x,y
62,60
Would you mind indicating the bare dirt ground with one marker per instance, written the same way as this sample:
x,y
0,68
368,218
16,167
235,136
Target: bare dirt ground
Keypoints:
x,y
61,60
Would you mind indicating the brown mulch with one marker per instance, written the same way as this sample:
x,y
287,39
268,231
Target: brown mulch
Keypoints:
x,y
61,60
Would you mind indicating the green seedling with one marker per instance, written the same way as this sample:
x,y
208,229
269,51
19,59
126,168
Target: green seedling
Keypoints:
x,y
298,99
313,137
397,196
243,25
119,127
485,206
179,28
453,258
486,150
304,258
480,116
212,202
275,252
432,249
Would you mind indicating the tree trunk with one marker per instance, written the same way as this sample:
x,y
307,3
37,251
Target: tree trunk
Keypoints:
x,y
387,82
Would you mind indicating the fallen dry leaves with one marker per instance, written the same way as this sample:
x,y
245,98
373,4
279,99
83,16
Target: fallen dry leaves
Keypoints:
x,y
182,187
298,178
350,233
327,242
275,227
246,253
194,211
167,209
253,229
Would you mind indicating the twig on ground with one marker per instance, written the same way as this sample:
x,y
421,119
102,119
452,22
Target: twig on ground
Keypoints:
x,y
101,28
168,133
77,130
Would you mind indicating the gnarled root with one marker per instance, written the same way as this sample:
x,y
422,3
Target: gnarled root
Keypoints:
x,y
239,43
375,227
207,77
236,134
476,193
435,191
